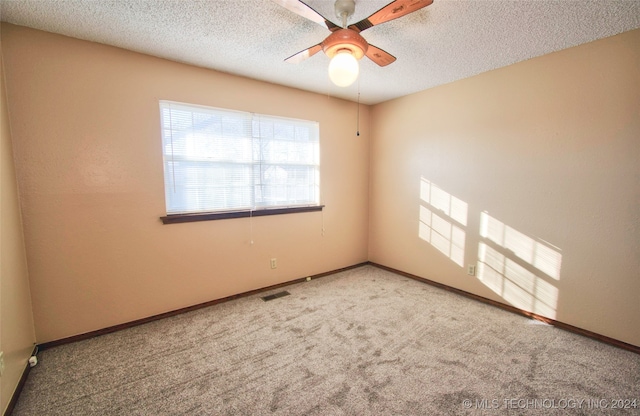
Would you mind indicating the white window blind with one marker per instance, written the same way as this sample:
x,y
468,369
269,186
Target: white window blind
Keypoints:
x,y
225,160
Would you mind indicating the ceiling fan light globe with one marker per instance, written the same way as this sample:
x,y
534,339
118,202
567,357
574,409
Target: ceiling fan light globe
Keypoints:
x,y
343,69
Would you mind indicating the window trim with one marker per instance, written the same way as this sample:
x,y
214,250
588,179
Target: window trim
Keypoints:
x,y
224,215
244,211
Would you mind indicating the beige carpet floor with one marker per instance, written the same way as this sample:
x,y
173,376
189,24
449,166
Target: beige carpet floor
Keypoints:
x,y
360,342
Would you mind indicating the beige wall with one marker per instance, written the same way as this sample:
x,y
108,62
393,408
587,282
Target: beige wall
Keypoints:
x,y
85,121
547,151
17,335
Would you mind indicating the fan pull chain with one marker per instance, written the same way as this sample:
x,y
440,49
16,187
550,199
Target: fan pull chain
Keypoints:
x,y
358,111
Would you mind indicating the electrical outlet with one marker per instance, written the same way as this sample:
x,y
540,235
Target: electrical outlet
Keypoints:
x,y
471,270
274,263
1,363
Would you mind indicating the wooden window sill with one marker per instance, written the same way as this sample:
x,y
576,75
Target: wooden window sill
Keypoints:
x,y
210,216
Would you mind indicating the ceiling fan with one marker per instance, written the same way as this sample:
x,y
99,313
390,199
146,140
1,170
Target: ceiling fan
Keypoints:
x,y
345,45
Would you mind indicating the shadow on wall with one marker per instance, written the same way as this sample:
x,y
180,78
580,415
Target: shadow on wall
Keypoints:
x,y
520,269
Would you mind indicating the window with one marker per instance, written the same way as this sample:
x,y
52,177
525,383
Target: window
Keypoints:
x,y
218,160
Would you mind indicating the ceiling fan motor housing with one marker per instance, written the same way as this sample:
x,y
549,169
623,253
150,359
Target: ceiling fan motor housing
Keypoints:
x,y
345,39
344,8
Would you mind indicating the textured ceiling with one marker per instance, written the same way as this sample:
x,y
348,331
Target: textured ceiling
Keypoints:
x,y
444,42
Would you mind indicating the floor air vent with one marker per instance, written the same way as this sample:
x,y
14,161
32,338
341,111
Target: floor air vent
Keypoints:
x,y
275,296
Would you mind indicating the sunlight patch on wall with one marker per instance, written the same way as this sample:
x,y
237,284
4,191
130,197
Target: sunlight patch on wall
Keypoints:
x,y
442,221
518,268
443,201
539,254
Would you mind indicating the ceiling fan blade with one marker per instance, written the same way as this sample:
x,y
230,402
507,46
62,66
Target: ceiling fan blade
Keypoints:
x,y
302,55
379,56
301,9
393,10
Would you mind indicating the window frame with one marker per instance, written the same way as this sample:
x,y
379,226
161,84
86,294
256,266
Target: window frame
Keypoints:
x,y
243,212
